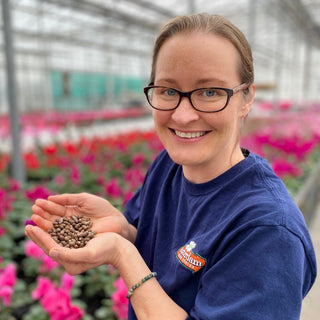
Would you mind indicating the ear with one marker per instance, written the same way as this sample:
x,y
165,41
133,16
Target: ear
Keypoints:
x,y
248,101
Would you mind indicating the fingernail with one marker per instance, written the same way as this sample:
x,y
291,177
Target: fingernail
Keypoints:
x,y
54,254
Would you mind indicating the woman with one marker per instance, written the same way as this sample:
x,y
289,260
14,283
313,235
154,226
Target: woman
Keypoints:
x,y
211,219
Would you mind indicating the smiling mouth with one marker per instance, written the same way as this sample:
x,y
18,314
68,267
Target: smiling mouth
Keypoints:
x,y
189,135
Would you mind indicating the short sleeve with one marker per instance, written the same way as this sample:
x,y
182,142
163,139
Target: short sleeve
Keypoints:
x,y
262,274
132,209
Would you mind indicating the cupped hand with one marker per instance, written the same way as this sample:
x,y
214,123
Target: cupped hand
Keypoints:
x,y
104,248
104,216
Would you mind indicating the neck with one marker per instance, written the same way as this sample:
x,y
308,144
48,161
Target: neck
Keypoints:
x,y
206,172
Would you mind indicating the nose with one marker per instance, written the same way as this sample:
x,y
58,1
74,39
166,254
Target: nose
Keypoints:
x,y
185,112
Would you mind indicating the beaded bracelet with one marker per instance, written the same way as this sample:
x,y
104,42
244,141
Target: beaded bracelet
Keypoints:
x,y
142,281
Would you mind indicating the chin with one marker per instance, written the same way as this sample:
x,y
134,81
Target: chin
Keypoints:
x,y
185,158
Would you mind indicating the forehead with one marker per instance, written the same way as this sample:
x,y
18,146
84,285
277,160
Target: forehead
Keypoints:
x,y
198,55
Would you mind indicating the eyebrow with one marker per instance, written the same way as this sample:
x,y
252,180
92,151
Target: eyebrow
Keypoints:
x,y
216,81
219,82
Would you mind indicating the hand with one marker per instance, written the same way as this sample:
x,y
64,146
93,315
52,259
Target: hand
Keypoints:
x,y
104,248
104,216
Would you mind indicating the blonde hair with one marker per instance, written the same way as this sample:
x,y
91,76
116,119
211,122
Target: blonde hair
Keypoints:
x,y
207,24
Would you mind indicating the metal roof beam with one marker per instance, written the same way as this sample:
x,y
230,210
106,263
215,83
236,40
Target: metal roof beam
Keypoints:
x,y
152,7
78,42
304,19
87,7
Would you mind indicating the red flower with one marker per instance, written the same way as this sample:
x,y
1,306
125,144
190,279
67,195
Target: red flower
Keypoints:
x,y
31,161
70,148
50,150
4,160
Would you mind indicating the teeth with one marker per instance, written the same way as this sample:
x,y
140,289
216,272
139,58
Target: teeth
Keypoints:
x,y
189,135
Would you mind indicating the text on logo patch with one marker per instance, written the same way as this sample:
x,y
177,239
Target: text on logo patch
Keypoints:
x,y
190,260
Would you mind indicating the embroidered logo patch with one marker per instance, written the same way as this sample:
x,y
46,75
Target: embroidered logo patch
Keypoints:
x,y
190,260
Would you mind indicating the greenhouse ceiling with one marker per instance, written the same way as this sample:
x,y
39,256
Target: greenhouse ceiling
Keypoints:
x,y
112,23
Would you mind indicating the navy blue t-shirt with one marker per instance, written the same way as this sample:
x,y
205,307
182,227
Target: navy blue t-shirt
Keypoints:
x,y
235,247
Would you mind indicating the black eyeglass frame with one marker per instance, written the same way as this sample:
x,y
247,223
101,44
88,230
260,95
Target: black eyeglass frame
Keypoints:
x,y
230,93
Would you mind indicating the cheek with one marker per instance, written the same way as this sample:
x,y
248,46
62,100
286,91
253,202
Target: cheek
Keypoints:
x,y
227,122
161,118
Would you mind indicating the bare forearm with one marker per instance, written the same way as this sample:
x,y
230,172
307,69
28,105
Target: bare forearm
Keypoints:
x,y
149,301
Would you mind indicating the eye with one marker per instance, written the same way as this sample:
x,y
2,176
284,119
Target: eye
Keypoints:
x,y
170,92
209,93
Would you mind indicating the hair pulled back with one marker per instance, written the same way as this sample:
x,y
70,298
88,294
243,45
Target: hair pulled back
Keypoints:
x,y
208,24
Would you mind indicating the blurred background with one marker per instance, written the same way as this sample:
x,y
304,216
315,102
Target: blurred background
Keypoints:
x,y
93,54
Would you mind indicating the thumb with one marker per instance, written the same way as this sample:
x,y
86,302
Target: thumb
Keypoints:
x,y
54,253
70,259
67,255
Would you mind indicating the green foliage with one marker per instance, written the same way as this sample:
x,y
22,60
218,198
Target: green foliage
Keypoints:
x,y
89,166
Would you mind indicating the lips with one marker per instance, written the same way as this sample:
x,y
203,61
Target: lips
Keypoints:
x,y
189,135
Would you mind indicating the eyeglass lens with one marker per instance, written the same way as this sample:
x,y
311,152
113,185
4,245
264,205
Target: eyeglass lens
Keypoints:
x,y
208,99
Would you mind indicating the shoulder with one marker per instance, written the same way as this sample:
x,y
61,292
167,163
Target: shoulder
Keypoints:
x,y
263,187
269,268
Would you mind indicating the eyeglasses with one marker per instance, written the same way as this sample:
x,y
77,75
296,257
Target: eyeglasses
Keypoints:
x,y
213,99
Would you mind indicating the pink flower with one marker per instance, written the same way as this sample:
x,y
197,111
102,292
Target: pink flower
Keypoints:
x,y
113,188
14,185
44,287
33,251
39,192
28,221
8,275
59,179
5,294
134,177
88,159
120,302
6,201
75,313
8,279
285,105
48,264
2,231
138,158
127,196
56,301
67,281
75,175
284,168
266,105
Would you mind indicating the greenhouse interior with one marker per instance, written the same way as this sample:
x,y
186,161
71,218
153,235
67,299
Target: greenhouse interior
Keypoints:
x,y
74,118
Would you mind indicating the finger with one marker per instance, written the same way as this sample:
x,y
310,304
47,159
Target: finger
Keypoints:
x,y
107,224
67,199
46,208
38,211
41,238
42,223
69,256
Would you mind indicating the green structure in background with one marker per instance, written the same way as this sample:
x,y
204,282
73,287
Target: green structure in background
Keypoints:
x,y
87,90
